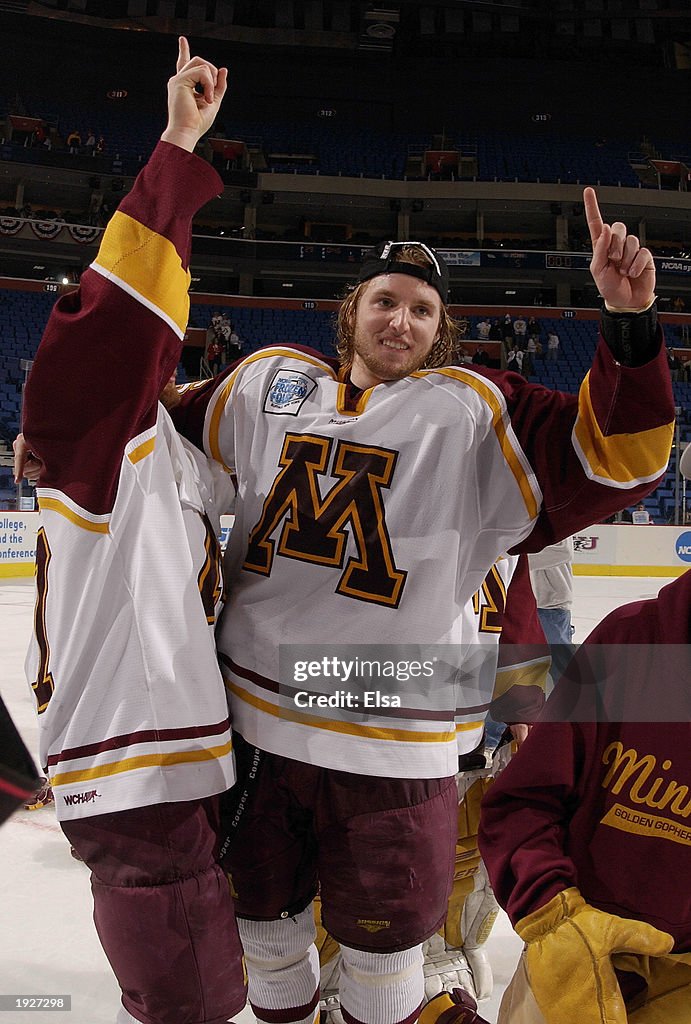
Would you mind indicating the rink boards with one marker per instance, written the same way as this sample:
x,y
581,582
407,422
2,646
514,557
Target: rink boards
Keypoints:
x,y
604,550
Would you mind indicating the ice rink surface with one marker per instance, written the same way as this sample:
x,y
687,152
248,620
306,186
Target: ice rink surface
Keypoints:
x,y
48,944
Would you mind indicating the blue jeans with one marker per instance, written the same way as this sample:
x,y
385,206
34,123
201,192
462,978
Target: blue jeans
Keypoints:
x,y
556,623
493,732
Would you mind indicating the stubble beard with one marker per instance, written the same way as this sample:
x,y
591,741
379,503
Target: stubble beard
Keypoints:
x,y
378,365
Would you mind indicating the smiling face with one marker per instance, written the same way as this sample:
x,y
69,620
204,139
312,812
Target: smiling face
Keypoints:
x,y
396,325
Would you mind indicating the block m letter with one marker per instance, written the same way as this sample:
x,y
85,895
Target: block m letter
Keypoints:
x,y
314,528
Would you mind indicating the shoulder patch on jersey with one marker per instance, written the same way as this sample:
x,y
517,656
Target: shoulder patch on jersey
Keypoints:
x,y
287,392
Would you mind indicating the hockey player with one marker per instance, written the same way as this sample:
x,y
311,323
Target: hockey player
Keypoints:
x,y
133,717
586,833
373,498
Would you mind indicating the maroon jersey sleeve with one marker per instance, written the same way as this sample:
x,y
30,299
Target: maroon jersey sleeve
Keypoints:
x,y
109,347
597,452
524,820
569,809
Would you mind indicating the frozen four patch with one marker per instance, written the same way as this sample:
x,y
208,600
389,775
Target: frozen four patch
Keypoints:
x,y
287,392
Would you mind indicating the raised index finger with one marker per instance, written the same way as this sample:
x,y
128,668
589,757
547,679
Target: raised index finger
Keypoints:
x,y
183,53
592,214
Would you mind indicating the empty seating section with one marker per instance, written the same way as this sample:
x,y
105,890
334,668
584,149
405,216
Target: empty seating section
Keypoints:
x,y
22,319
552,158
323,148
128,132
23,316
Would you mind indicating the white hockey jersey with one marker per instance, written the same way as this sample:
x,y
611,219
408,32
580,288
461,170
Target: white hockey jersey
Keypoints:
x,y
364,526
132,707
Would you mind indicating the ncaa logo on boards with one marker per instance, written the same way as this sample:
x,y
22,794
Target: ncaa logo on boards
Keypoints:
x,y
287,392
683,546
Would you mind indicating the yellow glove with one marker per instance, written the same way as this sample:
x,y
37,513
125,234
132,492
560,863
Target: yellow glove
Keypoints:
x,y
667,999
569,946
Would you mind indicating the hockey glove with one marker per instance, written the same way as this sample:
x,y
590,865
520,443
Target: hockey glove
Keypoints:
x,y
445,968
569,946
667,997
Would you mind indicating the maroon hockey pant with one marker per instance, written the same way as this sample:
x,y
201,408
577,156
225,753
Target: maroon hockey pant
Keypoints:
x,y
163,911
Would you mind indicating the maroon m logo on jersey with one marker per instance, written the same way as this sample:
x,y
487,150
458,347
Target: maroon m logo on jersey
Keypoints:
x,y
314,527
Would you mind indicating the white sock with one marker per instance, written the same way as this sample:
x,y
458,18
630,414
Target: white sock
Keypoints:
x,y
381,988
283,966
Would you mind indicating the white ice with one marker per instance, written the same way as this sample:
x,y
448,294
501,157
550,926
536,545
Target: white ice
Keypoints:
x,y
48,944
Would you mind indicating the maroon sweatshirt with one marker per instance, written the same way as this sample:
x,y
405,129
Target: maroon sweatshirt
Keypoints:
x,y
606,806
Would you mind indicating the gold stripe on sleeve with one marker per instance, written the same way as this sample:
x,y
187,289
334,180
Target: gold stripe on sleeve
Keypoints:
x,y
528,674
467,726
619,460
142,450
148,266
130,764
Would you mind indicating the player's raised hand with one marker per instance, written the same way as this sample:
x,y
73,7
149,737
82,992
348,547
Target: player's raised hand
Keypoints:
x,y
194,96
623,271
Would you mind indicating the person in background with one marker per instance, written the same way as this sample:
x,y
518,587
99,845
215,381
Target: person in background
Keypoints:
x,y
516,361
551,577
508,332
520,328
482,328
552,345
585,834
674,364
214,343
640,516
480,356
74,141
233,347
495,332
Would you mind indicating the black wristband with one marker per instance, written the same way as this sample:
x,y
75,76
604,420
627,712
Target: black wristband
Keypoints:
x,y
631,337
